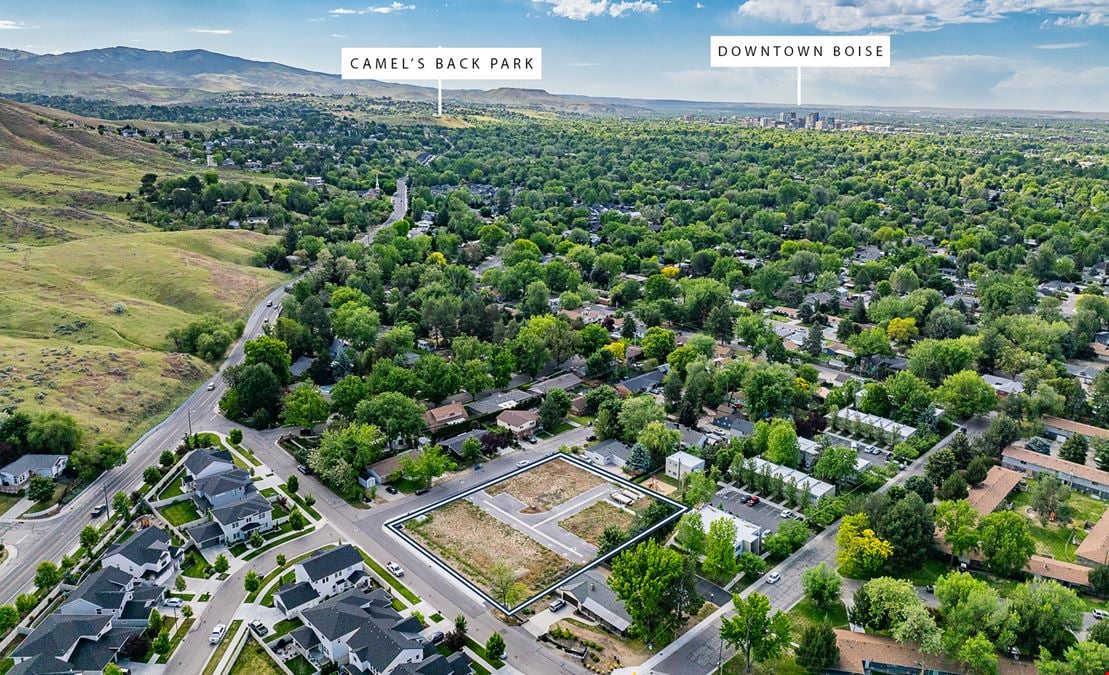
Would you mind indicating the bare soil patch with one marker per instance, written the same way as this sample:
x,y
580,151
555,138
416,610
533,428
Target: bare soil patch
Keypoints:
x,y
590,522
474,542
548,485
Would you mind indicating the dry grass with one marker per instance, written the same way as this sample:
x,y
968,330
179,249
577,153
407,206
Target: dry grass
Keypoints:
x,y
474,542
615,651
590,522
548,485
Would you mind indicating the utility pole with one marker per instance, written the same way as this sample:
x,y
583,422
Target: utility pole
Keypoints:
x,y
189,413
107,506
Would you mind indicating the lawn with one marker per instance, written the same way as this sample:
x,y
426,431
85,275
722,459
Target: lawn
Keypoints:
x,y
805,612
1055,541
475,543
253,660
300,665
312,513
174,487
275,543
7,501
930,570
194,565
284,627
590,523
180,512
59,491
178,636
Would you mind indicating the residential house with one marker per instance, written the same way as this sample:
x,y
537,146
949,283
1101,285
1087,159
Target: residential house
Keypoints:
x,y
505,400
321,576
1094,549
72,644
799,479
680,464
149,554
446,415
609,452
990,493
454,443
206,462
748,535
15,476
873,426
113,592
1057,427
591,597
1003,386
649,381
1078,476
521,423
565,382
360,630
227,495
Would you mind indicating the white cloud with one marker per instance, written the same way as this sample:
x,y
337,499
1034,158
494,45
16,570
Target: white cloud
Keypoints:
x,y
338,35
1062,45
210,31
581,10
391,8
6,24
844,16
1083,20
698,6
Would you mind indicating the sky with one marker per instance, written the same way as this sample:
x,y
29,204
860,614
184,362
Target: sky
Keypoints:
x,y
1026,54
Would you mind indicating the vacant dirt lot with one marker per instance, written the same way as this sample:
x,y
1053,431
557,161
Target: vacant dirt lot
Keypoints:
x,y
473,542
547,485
591,522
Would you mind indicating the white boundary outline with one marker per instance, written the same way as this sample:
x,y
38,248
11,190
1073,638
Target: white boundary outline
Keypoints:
x,y
396,525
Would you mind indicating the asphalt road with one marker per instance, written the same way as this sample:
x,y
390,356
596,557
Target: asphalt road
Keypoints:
x,y
54,537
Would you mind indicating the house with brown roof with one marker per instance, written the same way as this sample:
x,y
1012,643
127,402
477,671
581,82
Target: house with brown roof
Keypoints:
x,y
445,415
1062,428
521,423
866,653
990,493
1094,549
1078,476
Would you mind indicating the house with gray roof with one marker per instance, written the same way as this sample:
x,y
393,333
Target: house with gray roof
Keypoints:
x,y
15,476
205,462
72,644
591,597
565,382
222,488
227,494
113,592
360,630
240,520
148,554
505,400
641,383
320,576
609,452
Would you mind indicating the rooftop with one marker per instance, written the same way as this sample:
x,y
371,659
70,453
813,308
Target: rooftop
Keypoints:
x,y
326,563
992,491
1095,547
1096,476
31,463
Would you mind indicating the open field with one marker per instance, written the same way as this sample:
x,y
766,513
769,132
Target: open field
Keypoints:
x,y
475,542
547,485
590,522
87,296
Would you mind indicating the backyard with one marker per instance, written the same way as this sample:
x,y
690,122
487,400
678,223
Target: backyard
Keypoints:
x,y
253,660
180,512
1053,540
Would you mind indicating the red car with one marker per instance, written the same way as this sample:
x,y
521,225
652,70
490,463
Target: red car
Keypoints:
x,y
752,500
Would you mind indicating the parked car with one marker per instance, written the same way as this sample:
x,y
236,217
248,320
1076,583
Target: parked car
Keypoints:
x,y
436,637
258,627
390,489
773,578
217,634
394,568
591,437
523,462
754,500
786,513
422,491
304,469
1100,614
477,467
558,604
173,602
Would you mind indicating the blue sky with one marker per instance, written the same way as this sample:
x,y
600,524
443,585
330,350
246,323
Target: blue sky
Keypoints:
x,y
1038,54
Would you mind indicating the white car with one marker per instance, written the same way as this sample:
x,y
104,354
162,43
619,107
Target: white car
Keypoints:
x,y
217,634
211,386
773,578
173,602
1100,614
394,568
786,513
523,462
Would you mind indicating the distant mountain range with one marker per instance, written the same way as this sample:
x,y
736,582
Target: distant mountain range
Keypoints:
x,y
130,75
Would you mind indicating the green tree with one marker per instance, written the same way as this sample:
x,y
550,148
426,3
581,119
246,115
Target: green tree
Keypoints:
x,y
270,352
757,634
427,465
292,484
909,529
822,585
162,643
252,581
836,464
553,409
720,557
167,458
965,394
690,533
782,446
122,505
657,343
47,575
305,406
1082,657
440,378
1075,448
1099,580
643,422
940,465
978,654
221,565
958,522
953,488
977,470
154,623
235,436
53,433
649,579
861,552
40,489
9,618
151,475
347,393
700,488
396,415
471,450
1006,541
297,520
1050,500
1046,613
494,647
816,648
769,389
89,537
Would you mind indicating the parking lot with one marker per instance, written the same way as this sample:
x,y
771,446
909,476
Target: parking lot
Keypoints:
x,y
765,514
864,449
